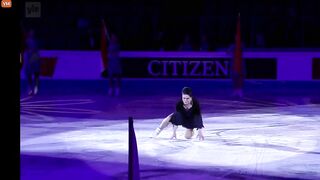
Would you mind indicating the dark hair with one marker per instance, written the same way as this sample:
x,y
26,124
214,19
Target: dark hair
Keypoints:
x,y
187,90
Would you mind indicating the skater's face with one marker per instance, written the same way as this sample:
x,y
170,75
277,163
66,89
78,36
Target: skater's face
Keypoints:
x,y
186,99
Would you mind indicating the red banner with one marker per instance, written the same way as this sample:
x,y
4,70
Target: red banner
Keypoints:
x,y
104,50
47,66
238,49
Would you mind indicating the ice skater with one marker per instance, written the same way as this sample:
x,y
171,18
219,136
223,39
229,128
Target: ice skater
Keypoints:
x,y
187,114
31,57
114,67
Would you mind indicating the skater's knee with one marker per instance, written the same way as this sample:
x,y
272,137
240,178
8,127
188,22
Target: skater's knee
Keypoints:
x,y
188,134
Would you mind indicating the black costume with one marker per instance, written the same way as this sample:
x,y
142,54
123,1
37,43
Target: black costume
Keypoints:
x,y
190,118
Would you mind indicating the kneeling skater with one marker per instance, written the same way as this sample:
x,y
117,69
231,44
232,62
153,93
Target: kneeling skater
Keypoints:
x,y
187,114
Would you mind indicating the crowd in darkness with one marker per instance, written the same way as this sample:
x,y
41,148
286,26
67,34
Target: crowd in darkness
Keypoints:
x,y
159,25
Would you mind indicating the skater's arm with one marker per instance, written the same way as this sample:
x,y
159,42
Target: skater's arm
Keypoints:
x,y
174,134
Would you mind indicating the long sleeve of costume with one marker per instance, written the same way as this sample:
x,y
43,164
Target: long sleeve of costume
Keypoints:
x,y
198,123
179,106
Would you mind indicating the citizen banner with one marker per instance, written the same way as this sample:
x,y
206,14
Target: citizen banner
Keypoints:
x,y
195,68
176,67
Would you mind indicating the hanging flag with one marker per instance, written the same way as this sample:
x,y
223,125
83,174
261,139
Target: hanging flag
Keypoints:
x,y
238,49
104,45
47,66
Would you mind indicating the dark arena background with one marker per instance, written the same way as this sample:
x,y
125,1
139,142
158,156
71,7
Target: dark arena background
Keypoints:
x,y
254,67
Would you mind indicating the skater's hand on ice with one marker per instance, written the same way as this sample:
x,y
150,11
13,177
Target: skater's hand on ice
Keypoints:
x,y
200,135
174,136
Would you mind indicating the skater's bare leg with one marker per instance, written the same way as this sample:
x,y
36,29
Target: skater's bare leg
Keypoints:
x,y
163,124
